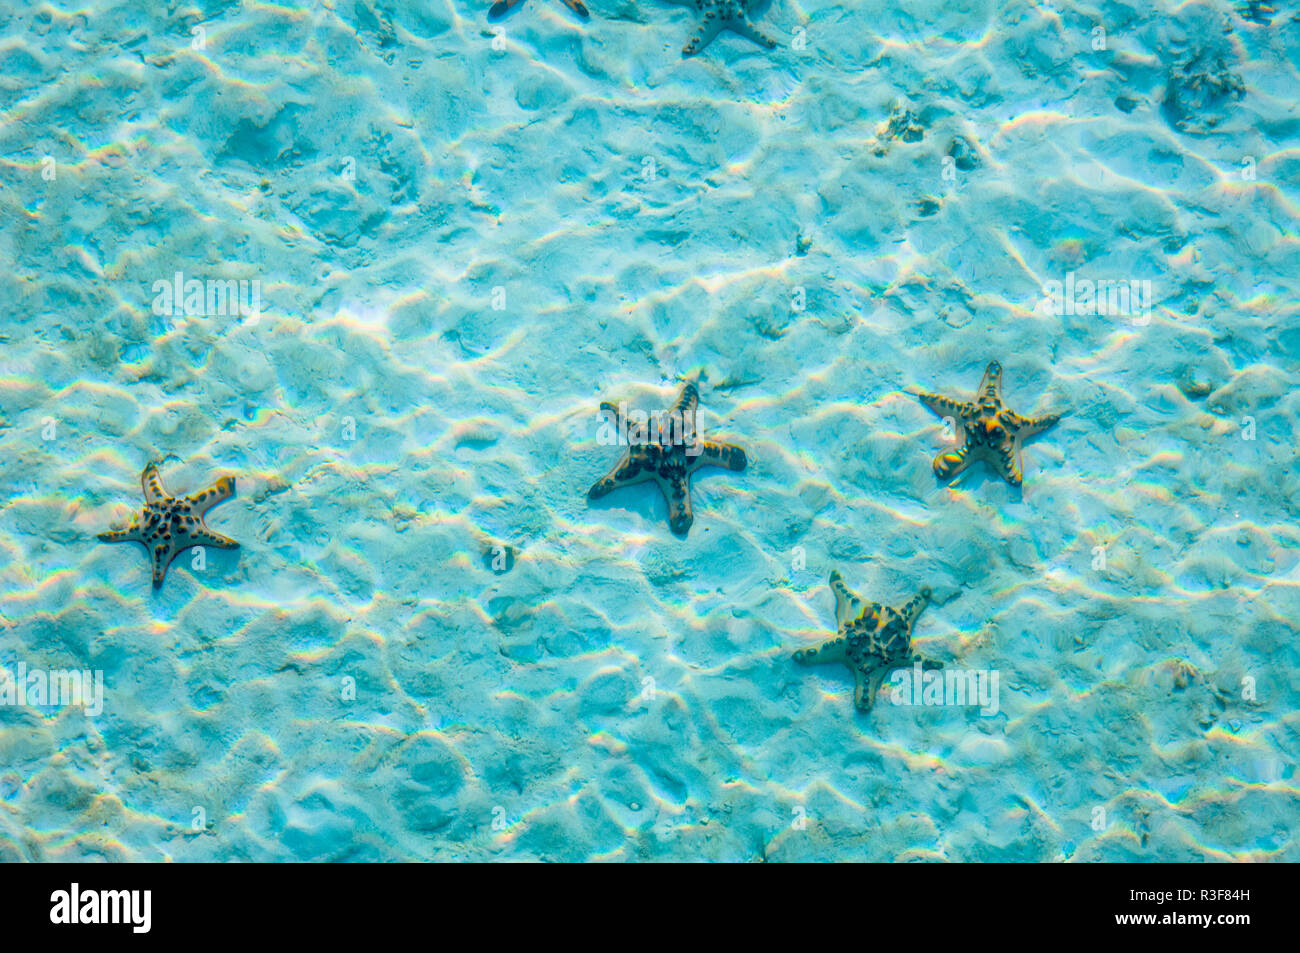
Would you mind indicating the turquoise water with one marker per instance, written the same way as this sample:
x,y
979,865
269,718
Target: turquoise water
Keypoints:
x,y
457,237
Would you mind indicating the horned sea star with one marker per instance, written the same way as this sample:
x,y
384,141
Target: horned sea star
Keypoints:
x,y
172,524
990,431
668,456
718,15
872,643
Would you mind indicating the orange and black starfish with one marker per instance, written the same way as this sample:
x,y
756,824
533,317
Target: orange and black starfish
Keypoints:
x,y
871,640
169,525
988,430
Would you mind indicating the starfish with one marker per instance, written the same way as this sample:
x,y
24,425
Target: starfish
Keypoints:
x,y
872,643
502,7
719,15
172,524
668,455
991,431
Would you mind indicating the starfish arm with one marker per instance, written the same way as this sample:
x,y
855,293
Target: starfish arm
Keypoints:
x,y
638,431
130,534
725,455
847,605
1006,460
1029,426
151,483
627,472
688,400
946,406
991,385
160,556
703,36
501,8
948,465
914,608
620,421
749,31
204,500
832,651
577,7
677,491
205,537
867,687
677,429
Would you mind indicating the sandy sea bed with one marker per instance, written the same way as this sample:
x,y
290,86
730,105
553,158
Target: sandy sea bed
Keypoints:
x,y
461,250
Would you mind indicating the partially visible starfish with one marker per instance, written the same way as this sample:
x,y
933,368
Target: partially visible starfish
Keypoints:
x,y
668,455
990,431
719,15
502,7
172,524
872,643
